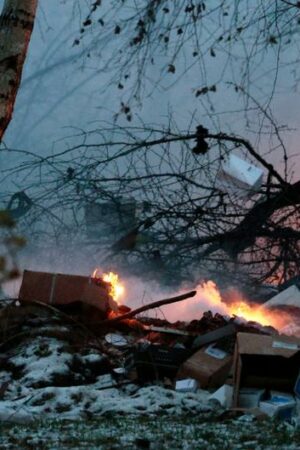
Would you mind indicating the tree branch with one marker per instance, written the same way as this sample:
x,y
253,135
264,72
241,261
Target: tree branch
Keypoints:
x,y
153,305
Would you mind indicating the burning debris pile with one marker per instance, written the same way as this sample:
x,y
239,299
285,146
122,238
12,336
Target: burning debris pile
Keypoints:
x,y
67,346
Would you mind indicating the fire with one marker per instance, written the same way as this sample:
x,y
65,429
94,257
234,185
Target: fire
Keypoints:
x,y
255,314
116,288
241,308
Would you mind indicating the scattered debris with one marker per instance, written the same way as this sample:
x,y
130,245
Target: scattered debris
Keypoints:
x,y
214,336
287,297
155,362
223,396
117,340
62,289
210,366
239,176
280,405
264,364
57,358
186,385
250,397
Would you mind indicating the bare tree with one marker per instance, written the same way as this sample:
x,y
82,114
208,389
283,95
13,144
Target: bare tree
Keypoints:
x,y
16,25
187,223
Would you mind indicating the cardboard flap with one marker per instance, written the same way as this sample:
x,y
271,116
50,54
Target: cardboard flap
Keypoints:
x,y
257,344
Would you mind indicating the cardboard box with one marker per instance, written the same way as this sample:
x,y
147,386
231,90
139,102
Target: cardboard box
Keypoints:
x,y
239,176
186,385
279,407
62,289
223,395
210,366
250,397
267,362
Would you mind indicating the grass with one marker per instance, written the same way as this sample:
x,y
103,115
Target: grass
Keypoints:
x,y
155,433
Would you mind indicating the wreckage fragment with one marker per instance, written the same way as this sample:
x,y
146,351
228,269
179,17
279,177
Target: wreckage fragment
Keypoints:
x,y
239,176
287,297
214,335
186,385
266,362
210,366
63,289
155,362
280,405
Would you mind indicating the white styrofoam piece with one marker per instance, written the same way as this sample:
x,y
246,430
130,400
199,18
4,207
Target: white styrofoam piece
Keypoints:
x,y
288,297
186,385
250,397
240,175
223,395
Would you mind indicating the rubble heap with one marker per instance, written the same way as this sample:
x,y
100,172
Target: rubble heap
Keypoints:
x,y
66,354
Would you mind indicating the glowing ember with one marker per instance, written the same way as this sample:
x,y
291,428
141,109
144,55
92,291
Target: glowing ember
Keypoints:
x,y
116,289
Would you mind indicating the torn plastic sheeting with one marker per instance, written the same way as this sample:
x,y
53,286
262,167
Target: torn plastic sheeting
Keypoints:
x,y
63,289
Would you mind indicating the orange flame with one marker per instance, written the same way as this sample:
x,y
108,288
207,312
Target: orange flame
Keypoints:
x,y
256,314
243,309
117,290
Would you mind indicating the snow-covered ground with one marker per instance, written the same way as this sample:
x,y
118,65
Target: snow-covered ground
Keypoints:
x,y
45,377
154,433
60,389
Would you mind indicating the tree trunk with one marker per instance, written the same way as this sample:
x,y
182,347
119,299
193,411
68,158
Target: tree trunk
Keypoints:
x,y
16,25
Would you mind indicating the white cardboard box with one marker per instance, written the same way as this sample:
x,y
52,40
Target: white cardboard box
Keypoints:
x,y
280,407
223,395
186,385
250,397
239,177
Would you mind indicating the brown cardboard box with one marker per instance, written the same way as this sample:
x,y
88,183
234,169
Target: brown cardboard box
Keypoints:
x,y
62,289
209,366
270,362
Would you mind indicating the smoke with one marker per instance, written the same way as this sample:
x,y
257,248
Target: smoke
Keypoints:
x,y
139,292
